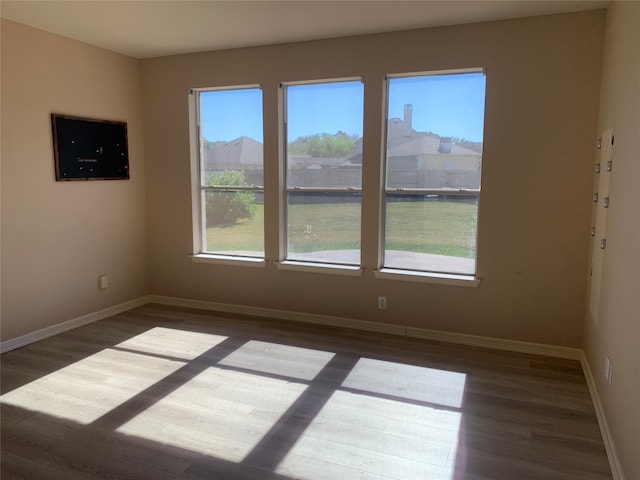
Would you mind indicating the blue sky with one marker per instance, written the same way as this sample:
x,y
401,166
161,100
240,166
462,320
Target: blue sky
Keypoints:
x,y
325,108
229,114
449,105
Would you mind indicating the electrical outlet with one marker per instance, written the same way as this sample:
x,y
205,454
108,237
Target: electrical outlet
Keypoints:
x,y
103,282
382,303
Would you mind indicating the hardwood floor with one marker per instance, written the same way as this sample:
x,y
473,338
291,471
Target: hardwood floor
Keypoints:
x,y
168,393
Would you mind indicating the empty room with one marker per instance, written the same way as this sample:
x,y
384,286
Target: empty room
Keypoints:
x,y
320,240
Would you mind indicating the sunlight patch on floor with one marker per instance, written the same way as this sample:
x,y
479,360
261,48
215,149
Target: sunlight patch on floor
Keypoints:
x,y
219,412
430,385
172,342
359,436
277,359
86,390
388,420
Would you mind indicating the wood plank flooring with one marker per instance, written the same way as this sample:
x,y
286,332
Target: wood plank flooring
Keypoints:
x,y
169,393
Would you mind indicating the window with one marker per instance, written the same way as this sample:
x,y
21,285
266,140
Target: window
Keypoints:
x,y
229,198
433,163
323,171
431,177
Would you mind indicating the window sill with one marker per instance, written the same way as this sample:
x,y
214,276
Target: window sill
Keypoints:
x,y
350,270
428,277
237,261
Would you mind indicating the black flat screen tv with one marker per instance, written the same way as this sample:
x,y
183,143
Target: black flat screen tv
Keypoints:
x,y
88,149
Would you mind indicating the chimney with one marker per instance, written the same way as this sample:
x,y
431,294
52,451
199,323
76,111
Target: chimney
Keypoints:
x,y
446,144
407,127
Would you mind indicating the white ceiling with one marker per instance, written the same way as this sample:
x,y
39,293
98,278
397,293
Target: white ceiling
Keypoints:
x,y
150,28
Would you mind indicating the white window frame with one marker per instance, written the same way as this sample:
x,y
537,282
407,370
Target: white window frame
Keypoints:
x,y
293,264
426,276
199,253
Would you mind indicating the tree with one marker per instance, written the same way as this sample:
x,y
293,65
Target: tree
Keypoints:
x,y
324,145
227,208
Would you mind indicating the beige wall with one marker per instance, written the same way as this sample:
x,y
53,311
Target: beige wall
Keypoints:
x,y
542,102
618,331
543,82
58,237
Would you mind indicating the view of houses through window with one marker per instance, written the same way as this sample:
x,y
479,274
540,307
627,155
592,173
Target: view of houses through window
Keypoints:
x,y
433,164
324,171
433,135
231,172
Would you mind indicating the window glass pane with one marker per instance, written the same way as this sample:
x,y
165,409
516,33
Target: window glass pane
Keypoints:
x,y
324,227
434,233
232,156
231,134
434,144
434,131
234,222
324,135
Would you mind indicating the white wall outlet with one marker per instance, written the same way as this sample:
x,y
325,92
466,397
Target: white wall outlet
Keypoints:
x,y
103,282
382,303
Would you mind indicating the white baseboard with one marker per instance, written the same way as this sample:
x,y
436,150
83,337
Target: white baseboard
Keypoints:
x,y
607,438
279,314
427,334
47,332
496,343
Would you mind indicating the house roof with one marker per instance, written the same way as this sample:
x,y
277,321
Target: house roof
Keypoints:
x,y
242,150
402,143
425,144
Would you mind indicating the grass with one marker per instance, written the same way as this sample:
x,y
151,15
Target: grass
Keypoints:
x,y
245,236
445,228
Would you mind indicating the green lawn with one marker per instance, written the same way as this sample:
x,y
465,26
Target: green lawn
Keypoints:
x,y
446,228
246,235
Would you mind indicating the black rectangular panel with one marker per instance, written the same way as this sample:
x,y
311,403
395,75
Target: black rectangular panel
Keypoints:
x,y
86,149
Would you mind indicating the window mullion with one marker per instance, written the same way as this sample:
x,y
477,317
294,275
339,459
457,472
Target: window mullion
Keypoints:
x,y
233,188
452,192
323,190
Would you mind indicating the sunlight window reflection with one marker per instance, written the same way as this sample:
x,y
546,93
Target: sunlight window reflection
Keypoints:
x,y
438,387
360,436
172,342
276,359
86,390
219,412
